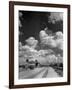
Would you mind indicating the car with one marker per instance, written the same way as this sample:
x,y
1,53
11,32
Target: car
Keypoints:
x,y
31,64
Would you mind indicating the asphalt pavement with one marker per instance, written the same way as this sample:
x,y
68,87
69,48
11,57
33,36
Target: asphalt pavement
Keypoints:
x,y
43,72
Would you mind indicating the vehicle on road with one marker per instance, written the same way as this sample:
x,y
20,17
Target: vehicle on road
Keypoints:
x,y
30,64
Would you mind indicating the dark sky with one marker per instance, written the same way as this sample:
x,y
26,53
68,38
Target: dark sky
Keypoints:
x,y
34,22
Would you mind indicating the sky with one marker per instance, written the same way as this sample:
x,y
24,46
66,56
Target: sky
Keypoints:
x,y
41,35
31,23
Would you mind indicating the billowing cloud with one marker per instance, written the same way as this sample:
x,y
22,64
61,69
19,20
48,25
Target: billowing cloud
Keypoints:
x,y
33,54
45,57
29,52
45,52
59,35
32,42
52,41
43,34
45,60
55,16
59,43
46,39
28,48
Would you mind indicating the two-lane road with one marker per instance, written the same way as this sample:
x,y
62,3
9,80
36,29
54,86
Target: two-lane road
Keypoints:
x,y
44,72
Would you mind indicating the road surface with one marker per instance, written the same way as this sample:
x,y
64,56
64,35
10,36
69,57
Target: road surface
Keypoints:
x,y
43,72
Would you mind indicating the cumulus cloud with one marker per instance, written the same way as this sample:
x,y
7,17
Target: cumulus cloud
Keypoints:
x,y
28,48
51,41
43,34
59,40
59,35
29,52
45,52
32,42
59,43
45,60
59,59
55,16
43,56
33,54
46,39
